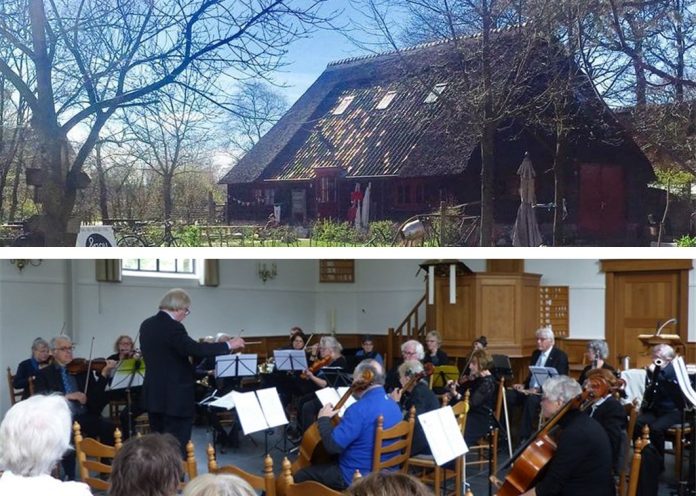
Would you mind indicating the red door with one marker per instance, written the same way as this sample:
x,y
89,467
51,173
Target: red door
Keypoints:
x,y
602,201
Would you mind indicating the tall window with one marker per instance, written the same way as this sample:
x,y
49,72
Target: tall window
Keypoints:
x,y
327,189
163,267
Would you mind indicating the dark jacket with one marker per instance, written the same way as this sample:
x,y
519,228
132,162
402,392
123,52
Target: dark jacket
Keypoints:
x,y
582,462
612,417
50,380
26,369
557,359
440,358
169,386
583,374
481,404
424,400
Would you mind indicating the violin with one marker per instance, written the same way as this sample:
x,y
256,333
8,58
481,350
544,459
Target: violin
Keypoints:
x,y
82,365
317,365
427,371
311,449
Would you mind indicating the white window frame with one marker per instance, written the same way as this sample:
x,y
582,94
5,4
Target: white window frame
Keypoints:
x,y
198,267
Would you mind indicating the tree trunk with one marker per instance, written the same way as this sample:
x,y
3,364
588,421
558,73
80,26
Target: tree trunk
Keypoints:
x,y
101,177
14,201
167,180
560,167
641,83
487,180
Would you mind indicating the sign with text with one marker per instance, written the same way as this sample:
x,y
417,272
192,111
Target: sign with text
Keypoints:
x,y
96,237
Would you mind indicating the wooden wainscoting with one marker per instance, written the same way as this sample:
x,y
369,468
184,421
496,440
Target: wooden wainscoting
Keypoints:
x,y
575,349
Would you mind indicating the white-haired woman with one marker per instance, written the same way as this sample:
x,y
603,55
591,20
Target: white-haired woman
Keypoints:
x,y
597,352
434,353
218,485
33,437
582,462
40,357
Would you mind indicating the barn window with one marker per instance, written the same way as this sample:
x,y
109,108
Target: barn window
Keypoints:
x,y
343,105
435,93
386,100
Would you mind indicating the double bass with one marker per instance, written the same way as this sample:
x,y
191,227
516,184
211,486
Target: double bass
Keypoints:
x,y
311,448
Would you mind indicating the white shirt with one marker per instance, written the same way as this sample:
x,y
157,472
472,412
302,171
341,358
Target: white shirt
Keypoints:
x,y
16,485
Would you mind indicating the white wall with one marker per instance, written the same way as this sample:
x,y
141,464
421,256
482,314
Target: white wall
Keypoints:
x,y
39,300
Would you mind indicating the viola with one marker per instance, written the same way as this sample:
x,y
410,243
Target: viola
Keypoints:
x,y
317,365
427,371
311,448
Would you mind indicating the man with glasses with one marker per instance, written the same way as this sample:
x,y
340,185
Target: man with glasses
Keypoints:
x,y
527,395
410,350
86,403
169,386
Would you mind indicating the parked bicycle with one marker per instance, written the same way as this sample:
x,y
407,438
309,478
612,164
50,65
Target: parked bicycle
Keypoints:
x,y
139,236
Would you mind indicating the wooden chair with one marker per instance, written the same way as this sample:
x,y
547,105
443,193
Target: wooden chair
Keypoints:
x,y
190,465
633,478
632,413
394,442
265,483
16,394
431,473
288,487
483,447
680,436
89,453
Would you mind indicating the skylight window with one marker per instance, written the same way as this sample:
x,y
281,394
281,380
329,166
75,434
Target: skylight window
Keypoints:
x,y
435,93
386,100
343,105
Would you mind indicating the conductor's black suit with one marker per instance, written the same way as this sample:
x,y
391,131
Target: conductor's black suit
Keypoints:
x,y
169,385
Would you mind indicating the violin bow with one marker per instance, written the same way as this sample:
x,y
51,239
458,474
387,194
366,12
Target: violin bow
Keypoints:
x,y
89,365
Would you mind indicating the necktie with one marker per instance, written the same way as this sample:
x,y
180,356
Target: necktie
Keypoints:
x,y
594,409
68,384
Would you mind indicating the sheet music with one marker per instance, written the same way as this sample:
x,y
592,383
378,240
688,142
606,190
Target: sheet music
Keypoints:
x,y
122,375
332,395
684,381
272,407
226,402
542,374
290,359
442,432
249,411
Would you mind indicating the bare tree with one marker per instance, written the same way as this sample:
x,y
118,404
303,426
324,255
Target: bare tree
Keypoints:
x,y
90,58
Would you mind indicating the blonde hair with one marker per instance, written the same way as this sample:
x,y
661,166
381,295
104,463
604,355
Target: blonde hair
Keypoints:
x,y
218,485
436,335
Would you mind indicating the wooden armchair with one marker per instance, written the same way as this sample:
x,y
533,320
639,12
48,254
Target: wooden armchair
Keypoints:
x,y
633,478
16,394
89,453
395,441
265,483
431,473
288,487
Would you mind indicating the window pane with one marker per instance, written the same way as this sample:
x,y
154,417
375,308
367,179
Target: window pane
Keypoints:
x,y
148,264
130,263
167,265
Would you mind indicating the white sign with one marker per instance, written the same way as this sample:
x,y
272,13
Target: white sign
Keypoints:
x,y
96,237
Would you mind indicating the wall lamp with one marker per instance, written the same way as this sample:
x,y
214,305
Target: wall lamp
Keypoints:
x,y
20,263
264,273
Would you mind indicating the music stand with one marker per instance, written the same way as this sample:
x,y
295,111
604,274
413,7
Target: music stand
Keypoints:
x,y
542,374
290,359
130,373
650,340
502,368
239,365
336,377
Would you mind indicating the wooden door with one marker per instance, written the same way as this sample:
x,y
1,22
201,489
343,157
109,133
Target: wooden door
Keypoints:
x,y
602,200
640,294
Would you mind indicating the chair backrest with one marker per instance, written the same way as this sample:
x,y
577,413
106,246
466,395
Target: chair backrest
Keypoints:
x,y
288,487
634,476
89,453
394,443
461,410
15,394
266,483
632,414
190,465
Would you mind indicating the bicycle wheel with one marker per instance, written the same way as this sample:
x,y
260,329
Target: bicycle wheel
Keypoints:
x,y
131,241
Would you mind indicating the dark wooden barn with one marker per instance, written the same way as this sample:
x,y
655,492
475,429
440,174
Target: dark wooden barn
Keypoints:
x,y
398,122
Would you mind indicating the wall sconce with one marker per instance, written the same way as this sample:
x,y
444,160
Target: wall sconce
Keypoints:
x,y
264,273
20,263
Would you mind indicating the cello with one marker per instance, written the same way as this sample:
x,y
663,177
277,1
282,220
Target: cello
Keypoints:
x,y
311,449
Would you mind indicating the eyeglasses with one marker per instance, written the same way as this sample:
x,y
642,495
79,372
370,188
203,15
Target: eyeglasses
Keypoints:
x,y
65,348
187,311
408,353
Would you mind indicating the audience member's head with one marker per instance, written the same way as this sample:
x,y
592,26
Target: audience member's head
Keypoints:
x,y
387,484
34,435
147,466
218,485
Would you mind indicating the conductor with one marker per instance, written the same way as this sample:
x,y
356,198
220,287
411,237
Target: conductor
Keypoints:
x,y
169,385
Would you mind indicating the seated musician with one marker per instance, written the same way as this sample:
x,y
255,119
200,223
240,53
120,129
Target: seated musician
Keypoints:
x,y
316,378
608,411
410,350
434,353
596,353
482,388
124,349
40,356
354,438
527,395
368,350
85,408
288,382
418,395
581,464
663,401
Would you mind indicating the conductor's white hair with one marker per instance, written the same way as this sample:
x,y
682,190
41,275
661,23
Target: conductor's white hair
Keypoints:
x,y
420,352
561,388
34,435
